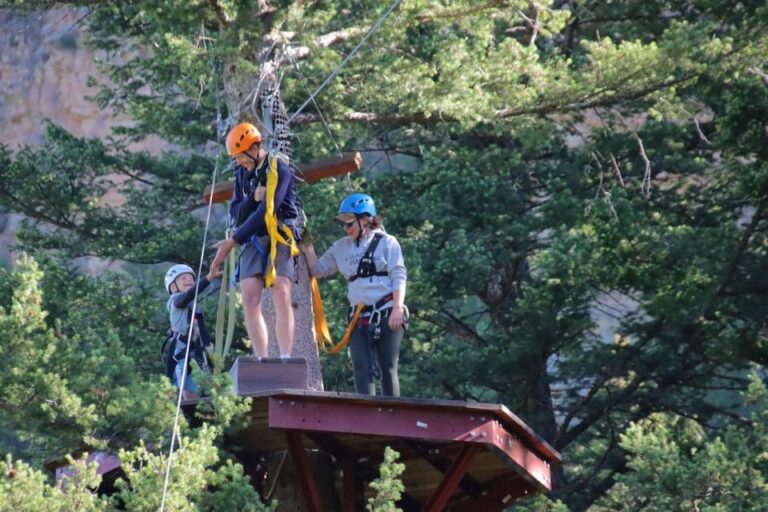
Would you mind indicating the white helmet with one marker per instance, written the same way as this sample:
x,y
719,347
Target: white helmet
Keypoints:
x,y
174,272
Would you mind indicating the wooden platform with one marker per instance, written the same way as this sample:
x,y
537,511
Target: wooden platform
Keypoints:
x,y
459,456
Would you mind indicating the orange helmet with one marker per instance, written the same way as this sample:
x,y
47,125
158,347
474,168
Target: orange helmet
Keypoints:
x,y
241,138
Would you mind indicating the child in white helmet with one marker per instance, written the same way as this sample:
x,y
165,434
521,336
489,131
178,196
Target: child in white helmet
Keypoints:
x,y
180,284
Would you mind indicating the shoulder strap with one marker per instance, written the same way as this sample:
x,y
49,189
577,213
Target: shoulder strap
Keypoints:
x,y
366,267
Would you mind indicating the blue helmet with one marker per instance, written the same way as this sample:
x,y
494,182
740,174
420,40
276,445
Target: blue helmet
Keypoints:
x,y
359,204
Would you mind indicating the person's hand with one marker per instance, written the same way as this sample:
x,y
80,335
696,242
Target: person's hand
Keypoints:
x,y
222,250
259,193
396,318
213,274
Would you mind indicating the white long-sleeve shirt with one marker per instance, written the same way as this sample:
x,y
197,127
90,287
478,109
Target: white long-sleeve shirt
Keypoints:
x,y
344,256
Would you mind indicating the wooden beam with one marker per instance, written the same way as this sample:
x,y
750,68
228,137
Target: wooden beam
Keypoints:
x,y
451,480
310,172
349,485
304,471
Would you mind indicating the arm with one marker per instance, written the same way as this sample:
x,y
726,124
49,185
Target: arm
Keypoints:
x,y
182,300
398,274
255,224
240,204
239,207
322,267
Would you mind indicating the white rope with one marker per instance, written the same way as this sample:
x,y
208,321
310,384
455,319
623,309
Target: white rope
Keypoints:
x,y
176,433
373,29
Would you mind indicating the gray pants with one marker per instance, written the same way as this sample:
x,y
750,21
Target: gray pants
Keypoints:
x,y
388,352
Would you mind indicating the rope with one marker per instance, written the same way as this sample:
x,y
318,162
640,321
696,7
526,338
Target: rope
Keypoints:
x,y
373,29
194,302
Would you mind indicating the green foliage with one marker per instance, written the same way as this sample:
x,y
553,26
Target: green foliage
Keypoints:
x,y
676,466
71,382
199,479
388,486
23,489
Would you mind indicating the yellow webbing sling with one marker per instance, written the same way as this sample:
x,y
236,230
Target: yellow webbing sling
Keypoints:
x,y
270,218
322,334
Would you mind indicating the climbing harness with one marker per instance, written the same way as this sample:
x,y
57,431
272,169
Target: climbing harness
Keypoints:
x,y
372,317
367,267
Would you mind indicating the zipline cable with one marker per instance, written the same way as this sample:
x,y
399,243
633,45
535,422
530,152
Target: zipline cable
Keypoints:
x,y
335,72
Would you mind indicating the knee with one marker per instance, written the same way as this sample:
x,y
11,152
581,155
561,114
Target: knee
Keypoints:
x,y
389,366
251,299
281,291
251,303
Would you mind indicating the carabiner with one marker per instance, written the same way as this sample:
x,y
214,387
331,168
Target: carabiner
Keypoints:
x,y
375,318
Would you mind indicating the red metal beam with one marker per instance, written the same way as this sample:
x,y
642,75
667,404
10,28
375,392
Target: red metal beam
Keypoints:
x,y
311,172
451,479
442,463
304,471
522,457
499,495
346,460
403,421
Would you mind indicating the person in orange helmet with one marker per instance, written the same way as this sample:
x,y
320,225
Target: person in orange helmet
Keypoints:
x,y
248,211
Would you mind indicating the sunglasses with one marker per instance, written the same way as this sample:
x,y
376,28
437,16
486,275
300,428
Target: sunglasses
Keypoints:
x,y
346,224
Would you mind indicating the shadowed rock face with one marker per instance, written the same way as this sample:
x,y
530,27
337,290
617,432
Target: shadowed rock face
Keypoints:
x,y
43,68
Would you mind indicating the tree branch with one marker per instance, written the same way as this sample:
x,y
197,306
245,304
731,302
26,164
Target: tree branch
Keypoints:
x,y
423,18
325,41
398,119
221,14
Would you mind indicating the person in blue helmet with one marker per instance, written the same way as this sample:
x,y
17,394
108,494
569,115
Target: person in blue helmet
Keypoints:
x,y
372,262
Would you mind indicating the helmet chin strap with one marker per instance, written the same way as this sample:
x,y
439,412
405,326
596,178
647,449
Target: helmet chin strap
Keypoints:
x,y
360,231
249,155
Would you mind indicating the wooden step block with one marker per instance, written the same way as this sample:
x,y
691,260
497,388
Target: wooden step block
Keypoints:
x,y
249,375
